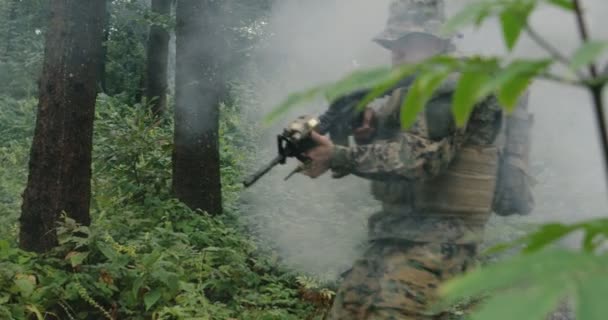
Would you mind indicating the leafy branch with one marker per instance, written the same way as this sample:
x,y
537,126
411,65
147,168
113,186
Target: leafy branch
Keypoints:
x,y
552,50
590,53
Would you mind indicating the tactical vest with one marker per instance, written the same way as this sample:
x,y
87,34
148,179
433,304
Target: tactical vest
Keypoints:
x,y
466,187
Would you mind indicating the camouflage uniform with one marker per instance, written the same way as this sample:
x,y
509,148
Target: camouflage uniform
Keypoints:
x,y
428,230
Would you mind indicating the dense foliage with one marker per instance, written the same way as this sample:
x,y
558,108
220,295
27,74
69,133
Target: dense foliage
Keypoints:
x,y
146,255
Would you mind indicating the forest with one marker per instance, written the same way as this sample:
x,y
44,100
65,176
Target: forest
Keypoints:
x,y
127,128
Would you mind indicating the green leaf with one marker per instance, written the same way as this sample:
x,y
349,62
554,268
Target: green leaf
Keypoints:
x,y
588,53
4,245
513,19
151,298
76,259
543,274
393,79
472,14
564,4
5,249
534,269
512,81
549,233
25,286
469,91
531,303
107,251
511,28
546,235
150,259
591,301
596,232
501,247
420,93
358,80
291,101
518,70
33,309
137,284
511,91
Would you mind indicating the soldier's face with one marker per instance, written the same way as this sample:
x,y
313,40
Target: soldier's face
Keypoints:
x,y
415,48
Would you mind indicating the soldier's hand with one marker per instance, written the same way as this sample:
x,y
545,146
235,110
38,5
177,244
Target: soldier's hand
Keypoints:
x,y
320,156
365,133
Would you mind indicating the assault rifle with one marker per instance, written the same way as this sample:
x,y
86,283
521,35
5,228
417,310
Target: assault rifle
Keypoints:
x,y
339,121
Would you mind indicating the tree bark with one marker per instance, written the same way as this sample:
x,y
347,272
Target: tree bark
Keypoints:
x,y
158,54
60,159
199,86
104,49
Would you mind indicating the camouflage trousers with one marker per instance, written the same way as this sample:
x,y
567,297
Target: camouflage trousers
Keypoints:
x,y
399,280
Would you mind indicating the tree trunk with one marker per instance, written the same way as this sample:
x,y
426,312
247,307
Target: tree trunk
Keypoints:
x,y
104,49
198,88
158,54
10,30
60,160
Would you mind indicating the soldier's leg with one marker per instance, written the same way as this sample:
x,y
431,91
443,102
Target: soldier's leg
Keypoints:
x,y
355,295
398,280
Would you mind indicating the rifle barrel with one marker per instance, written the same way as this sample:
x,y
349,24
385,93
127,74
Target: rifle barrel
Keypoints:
x,y
260,173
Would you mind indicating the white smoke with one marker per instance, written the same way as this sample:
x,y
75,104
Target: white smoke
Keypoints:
x,y
318,225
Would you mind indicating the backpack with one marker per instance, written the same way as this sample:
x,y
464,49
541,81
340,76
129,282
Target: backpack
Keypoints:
x,y
513,194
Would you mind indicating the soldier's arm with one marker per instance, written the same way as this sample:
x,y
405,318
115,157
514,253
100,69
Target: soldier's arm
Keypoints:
x,y
414,157
408,157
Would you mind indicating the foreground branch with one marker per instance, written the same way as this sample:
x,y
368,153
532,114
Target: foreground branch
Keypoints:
x,y
596,88
553,51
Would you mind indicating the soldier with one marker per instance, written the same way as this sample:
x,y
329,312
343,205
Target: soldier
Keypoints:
x,y
436,183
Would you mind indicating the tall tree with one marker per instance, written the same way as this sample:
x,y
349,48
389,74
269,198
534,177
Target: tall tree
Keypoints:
x,y
158,54
10,30
60,160
199,87
104,49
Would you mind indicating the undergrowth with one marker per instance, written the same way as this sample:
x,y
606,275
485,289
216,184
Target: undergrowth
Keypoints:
x,y
146,256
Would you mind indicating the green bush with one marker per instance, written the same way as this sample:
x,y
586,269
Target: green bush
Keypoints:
x,y
146,256
16,130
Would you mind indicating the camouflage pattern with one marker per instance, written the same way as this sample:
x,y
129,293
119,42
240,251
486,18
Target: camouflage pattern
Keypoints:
x,y
397,164
398,280
389,224
412,16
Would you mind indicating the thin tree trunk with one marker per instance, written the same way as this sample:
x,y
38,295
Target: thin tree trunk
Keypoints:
x,y
60,160
199,86
158,54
